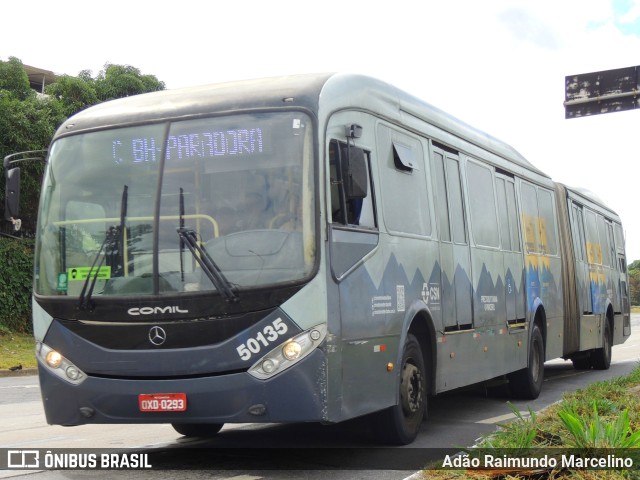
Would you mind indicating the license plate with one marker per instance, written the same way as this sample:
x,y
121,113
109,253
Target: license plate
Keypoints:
x,y
162,402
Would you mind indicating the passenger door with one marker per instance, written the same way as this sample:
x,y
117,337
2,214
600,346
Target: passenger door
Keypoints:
x,y
455,263
622,268
582,265
515,291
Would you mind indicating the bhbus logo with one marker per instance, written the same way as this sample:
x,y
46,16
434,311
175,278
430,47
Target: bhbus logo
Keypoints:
x,y
135,311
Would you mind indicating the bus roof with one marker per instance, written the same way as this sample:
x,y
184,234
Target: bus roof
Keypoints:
x,y
200,101
326,92
584,195
361,91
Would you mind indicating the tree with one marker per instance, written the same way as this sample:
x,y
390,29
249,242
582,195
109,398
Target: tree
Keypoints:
x,y
27,125
28,121
14,79
74,93
117,81
114,81
634,282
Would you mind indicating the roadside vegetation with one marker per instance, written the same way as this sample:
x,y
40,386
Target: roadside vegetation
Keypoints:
x,y
16,350
603,418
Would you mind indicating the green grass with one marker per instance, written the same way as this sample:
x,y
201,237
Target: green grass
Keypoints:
x,y
16,349
604,414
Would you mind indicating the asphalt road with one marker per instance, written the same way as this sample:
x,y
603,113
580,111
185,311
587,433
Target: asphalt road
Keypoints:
x,y
456,419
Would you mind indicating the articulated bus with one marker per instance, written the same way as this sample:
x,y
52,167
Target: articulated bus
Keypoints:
x,y
309,248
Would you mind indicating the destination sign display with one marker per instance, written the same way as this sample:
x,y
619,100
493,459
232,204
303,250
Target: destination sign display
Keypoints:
x,y
190,145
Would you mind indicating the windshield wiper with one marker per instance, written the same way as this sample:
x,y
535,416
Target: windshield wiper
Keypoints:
x,y
209,267
181,240
113,236
118,261
110,238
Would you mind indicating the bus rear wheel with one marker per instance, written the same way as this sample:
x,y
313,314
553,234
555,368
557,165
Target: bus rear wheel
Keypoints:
x,y
400,424
527,383
601,357
197,429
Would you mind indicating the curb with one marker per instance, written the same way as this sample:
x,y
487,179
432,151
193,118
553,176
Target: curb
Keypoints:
x,y
18,373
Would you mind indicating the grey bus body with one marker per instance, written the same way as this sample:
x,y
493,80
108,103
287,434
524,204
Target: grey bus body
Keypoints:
x,y
397,253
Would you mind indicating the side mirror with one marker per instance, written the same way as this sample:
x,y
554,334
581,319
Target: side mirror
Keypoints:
x,y
12,194
354,173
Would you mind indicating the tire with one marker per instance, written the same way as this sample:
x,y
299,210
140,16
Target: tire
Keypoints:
x,y
400,424
601,357
526,384
197,429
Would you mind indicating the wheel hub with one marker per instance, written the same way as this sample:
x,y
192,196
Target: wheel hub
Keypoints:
x,y
411,389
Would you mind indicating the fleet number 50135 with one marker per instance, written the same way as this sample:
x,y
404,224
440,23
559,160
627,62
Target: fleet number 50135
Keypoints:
x,y
269,334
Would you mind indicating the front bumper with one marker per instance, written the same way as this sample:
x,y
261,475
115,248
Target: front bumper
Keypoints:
x,y
298,394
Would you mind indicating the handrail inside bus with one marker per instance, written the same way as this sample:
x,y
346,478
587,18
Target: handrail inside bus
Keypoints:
x,y
194,216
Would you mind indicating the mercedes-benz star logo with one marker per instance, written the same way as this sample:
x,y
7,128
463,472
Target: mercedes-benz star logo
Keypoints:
x,y
157,335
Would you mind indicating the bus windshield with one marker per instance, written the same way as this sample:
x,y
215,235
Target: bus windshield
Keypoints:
x,y
138,207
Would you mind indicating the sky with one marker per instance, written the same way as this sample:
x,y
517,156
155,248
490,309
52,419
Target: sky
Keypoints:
x,y
498,65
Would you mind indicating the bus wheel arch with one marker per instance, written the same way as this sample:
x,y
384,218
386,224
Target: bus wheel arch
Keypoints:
x,y
423,329
400,424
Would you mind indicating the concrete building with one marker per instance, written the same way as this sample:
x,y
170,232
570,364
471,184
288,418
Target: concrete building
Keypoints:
x,y
39,78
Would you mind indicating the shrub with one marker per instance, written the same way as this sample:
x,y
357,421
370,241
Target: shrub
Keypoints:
x,y
16,274
596,433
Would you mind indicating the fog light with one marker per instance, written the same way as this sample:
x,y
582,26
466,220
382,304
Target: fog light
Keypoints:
x,y
53,359
270,365
291,350
73,373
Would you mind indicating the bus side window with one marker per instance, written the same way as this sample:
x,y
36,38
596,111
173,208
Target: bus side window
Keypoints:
x,y
603,234
359,209
484,215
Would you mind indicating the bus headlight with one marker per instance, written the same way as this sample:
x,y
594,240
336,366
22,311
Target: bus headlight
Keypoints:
x,y
292,351
53,359
57,364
